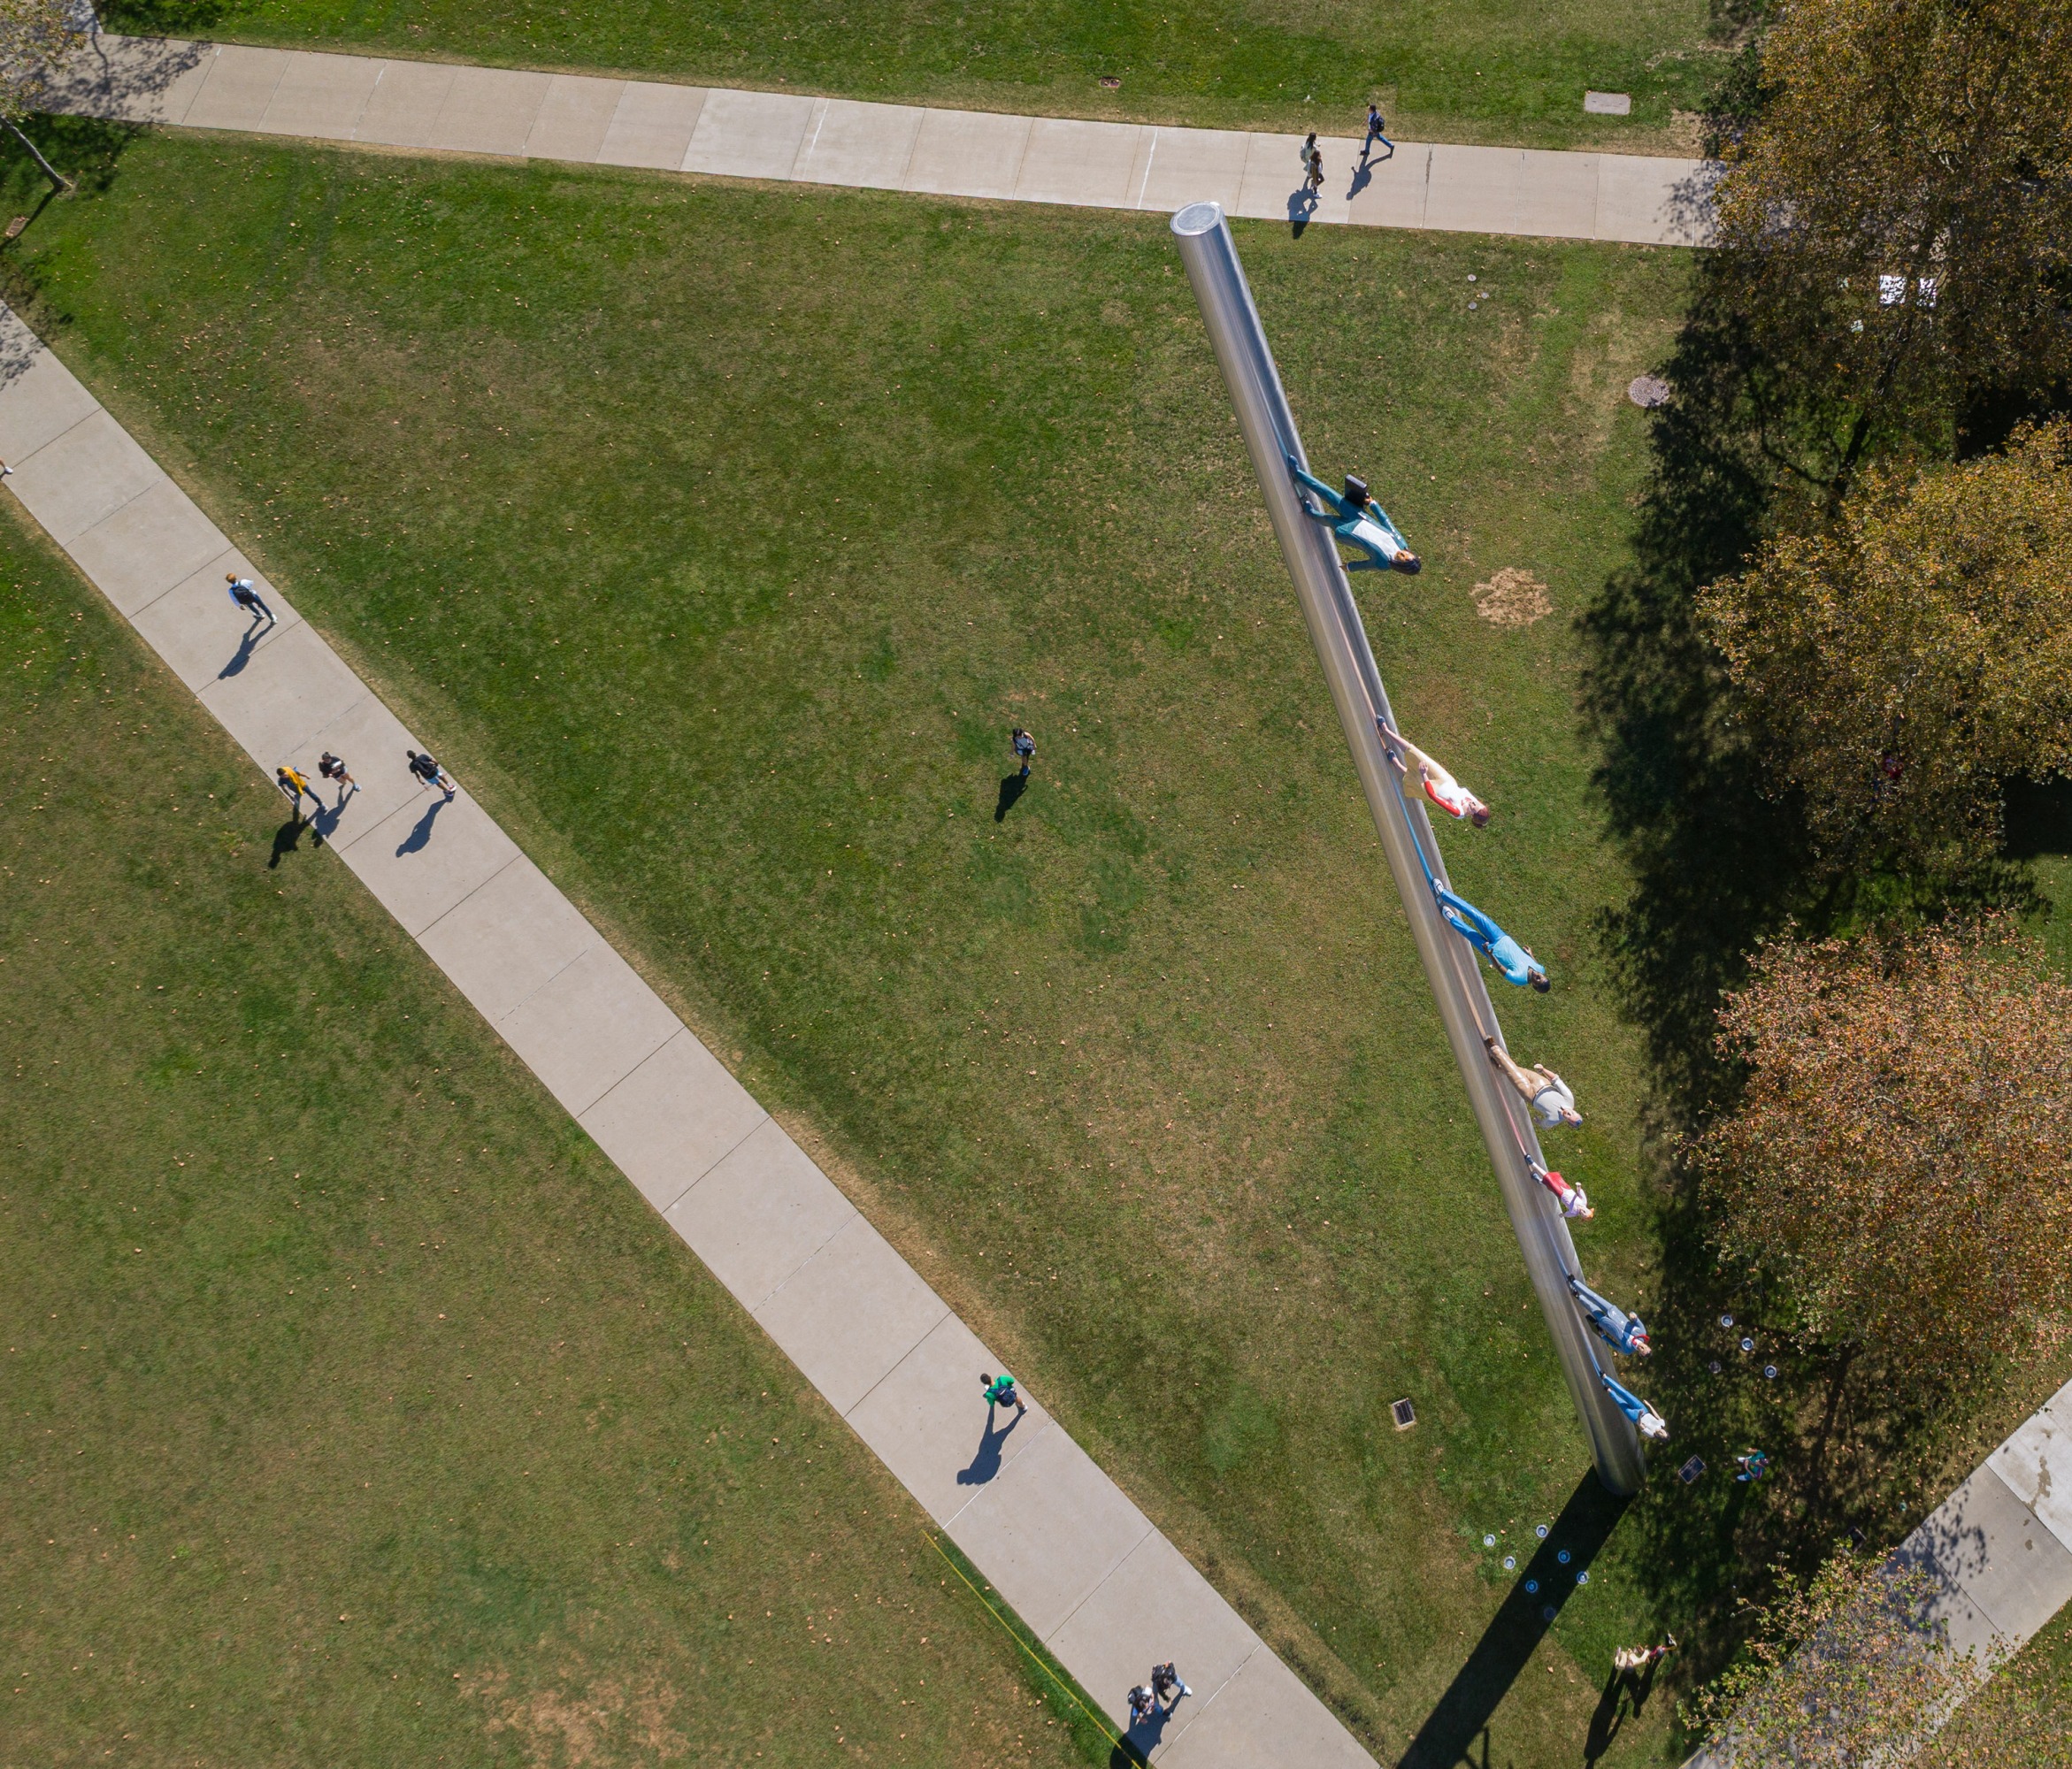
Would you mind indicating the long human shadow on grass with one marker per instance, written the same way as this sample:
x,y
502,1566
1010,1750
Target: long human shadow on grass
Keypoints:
x,y
1516,1630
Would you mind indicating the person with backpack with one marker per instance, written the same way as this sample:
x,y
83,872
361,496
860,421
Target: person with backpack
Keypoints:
x,y
1000,1392
1167,1686
332,767
1143,1704
1376,124
431,773
1358,522
1024,749
244,595
1547,1094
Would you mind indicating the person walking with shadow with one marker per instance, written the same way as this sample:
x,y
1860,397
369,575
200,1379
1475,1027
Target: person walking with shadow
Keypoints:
x,y
1167,1686
1143,1705
244,595
431,773
1000,1392
1024,749
333,768
1376,124
295,783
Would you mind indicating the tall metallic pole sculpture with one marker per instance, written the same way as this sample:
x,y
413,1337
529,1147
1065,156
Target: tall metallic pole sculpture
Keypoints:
x,y
1340,638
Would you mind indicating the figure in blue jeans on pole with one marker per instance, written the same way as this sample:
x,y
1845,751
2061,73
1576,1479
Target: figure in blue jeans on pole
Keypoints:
x,y
1623,1331
1652,1423
1516,961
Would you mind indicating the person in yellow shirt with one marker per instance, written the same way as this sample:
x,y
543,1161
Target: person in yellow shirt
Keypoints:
x,y
293,783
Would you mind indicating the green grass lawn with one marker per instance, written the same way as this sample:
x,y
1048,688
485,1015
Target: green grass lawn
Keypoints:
x,y
1446,70
357,1411
717,535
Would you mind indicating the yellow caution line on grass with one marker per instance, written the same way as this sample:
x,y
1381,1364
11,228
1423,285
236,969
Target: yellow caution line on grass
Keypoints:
x,y
1099,1726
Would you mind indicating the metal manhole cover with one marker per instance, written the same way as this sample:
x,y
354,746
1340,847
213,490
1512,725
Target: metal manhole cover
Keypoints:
x,y
1648,391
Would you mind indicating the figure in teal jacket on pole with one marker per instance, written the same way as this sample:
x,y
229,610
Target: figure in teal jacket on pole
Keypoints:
x,y
1359,522
1516,961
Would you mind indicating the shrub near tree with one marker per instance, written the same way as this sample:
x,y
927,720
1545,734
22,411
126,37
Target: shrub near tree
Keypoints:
x,y
1895,222
1904,659
1900,1162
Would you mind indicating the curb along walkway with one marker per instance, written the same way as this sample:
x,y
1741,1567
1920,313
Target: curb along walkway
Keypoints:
x,y
1105,1591
586,119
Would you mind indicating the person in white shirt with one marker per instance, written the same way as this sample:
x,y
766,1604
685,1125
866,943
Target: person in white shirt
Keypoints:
x,y
1544,1091
1439,787
1574,1202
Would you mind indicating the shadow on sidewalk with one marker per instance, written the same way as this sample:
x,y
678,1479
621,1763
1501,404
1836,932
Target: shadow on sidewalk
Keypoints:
x,y
1516,1630
986,1463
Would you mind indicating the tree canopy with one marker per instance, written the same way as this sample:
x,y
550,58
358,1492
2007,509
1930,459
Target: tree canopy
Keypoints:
x,y
1904,659
1902,1160
1895,222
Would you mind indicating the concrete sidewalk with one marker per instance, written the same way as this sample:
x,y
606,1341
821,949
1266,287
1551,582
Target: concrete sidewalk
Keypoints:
x,y
1081,1565
586,119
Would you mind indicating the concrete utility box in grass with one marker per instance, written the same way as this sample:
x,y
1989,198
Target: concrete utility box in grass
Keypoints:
x,y
1608,103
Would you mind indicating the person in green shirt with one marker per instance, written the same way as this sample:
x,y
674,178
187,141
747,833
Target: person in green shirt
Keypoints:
x,y
1000,1392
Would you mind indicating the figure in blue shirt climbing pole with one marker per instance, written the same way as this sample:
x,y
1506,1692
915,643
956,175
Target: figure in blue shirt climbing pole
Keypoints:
x,y
1515,961
1623,1331
1358,522
1652,1423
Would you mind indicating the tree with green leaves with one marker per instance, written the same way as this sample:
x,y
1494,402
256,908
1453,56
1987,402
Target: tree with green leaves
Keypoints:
x,y
1900,1161
36,37
1903,660
1895,220
1838,1669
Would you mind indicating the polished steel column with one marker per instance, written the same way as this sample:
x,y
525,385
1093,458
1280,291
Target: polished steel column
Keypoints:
x,y
1450,963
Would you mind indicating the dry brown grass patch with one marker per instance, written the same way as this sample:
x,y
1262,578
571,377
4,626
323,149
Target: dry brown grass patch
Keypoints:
x,y
1512,598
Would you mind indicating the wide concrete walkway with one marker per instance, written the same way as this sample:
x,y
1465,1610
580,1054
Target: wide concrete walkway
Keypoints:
x,y
588,120
1082,1567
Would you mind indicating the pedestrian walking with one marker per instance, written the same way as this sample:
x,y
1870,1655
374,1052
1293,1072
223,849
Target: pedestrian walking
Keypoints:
x,y
431,773
1631,1660
333,768
6,471
1575,1205
1167,1686
1549,1095
1143,1704
295,783
245,595
1308,151
1000,1392
1024,748
1376,124
1315,178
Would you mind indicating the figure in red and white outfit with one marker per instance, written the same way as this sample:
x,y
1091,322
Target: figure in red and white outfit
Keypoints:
x,y
1571,1198
1439,787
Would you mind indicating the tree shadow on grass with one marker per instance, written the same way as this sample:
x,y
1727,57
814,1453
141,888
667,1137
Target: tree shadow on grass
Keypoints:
x,y
1508,1643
